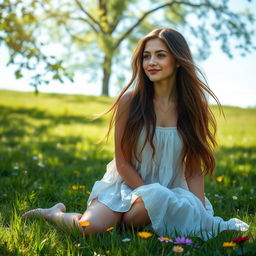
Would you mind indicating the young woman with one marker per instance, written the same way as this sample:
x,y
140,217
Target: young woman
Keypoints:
x,y
164,145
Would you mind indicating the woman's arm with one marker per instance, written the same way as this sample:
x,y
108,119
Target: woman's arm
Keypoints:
x,y
195,183
124,167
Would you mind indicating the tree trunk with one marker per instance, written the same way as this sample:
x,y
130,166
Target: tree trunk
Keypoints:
x,y
106,75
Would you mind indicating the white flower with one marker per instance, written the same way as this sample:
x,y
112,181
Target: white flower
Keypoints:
x,y
34,157
125,240
96,254
234,197
177,249
41,165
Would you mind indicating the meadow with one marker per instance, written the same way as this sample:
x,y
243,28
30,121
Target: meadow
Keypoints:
x,y
51,151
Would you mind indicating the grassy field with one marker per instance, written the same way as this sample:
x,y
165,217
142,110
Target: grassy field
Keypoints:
x,y
49,152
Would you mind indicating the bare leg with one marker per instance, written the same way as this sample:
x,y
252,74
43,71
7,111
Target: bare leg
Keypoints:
x,y
137,216
45,213
100,217
98,214
56,214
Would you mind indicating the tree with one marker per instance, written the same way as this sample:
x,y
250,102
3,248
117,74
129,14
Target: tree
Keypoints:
x,y
93,32
18,24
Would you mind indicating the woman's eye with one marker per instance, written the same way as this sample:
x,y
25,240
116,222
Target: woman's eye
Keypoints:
x,y
146,56
161,55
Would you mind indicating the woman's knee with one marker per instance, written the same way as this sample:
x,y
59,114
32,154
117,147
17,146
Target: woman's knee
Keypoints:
x,y
136,216
100,218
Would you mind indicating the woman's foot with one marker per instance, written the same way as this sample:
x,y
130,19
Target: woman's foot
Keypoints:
x,y
45,213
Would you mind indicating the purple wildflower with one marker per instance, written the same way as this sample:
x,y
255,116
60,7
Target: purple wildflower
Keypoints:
x,y
183,240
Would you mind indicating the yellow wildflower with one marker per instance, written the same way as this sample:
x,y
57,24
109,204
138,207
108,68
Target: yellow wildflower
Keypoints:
x,y
166,238
81,187
110,228
145,235
229,244
74,187
177,249
84,223
220,178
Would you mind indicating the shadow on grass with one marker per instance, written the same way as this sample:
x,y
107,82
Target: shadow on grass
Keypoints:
x,y
41,168
22,137
8,114
232,188
237,160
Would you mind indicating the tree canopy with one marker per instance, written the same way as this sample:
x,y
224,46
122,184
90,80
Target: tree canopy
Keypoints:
x,y
98,36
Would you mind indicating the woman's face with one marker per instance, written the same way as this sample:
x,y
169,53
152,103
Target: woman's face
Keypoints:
x,y
158,63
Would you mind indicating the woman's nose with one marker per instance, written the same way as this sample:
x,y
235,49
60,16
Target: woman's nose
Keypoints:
x,y
152,61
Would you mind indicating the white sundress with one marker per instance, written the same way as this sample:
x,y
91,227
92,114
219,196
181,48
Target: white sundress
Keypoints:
x,y
170,205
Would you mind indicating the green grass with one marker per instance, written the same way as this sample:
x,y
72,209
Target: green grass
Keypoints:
x,y
48,143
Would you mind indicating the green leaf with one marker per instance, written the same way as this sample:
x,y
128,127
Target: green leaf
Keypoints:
x,y
18,74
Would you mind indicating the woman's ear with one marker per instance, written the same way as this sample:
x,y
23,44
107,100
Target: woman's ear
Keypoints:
x,y
177,65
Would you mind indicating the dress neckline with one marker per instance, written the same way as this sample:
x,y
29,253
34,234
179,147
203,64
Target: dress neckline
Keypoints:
x,y
166,127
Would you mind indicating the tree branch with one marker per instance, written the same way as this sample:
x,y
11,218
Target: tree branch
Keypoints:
x,y
115,23
88,14
51,14
154,10
86,21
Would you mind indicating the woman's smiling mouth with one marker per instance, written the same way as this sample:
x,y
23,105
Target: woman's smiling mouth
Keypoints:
x,y
153,71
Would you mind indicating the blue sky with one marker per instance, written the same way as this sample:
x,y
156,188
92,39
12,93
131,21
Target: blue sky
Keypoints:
x,y
232,80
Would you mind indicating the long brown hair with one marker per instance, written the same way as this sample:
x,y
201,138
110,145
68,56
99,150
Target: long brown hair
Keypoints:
x,y
196,123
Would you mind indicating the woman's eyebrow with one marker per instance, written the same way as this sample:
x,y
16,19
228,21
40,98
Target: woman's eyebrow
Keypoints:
x,y
156,51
